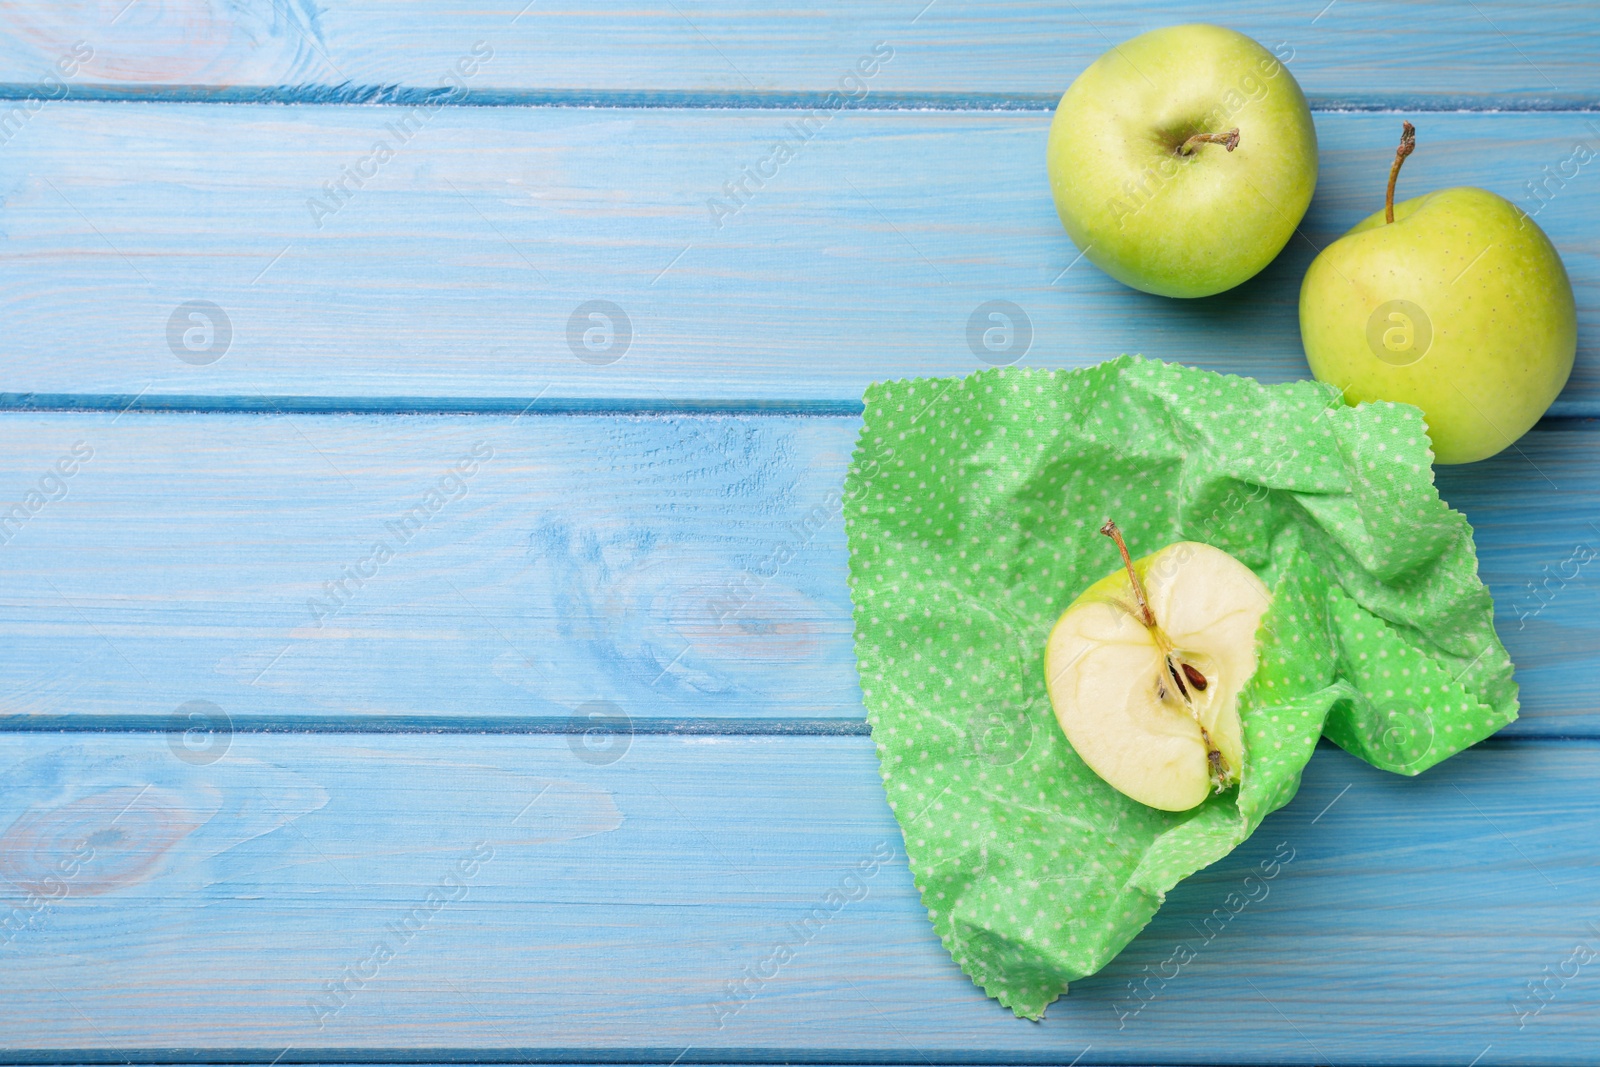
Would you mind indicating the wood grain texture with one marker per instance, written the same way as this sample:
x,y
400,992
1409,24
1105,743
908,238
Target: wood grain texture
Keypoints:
x,y
473,568
675,568
1479,54
180,887
458,269
537,902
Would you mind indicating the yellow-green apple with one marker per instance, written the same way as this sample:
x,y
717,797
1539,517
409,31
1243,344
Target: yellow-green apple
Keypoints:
x,y
1145,668
1456,302
1182,160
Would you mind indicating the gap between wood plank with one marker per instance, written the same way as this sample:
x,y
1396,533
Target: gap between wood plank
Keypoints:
x,y
439,1057
422,405
1563,415
540,725
410,96
443,724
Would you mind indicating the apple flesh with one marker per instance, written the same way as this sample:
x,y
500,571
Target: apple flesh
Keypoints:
x,y
1158,210
1460,306
1114,680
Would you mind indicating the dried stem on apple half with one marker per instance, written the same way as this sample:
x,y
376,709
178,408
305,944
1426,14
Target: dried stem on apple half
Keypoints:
x,y
1229,140
1408,144
1179,670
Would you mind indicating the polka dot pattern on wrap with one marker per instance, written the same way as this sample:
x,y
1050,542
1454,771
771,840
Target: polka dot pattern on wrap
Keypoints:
x,y
972,509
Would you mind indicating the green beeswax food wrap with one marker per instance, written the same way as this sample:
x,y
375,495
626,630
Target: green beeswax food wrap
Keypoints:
x,y
973,508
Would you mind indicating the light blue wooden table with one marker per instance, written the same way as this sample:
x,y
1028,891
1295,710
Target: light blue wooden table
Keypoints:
x,y
582,740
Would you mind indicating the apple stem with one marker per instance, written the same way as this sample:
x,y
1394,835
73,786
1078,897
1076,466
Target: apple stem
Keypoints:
x,y
1177,668
1111,531
1229,140
1408,144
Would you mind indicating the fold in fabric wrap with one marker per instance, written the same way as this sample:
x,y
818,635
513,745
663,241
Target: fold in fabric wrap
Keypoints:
x,y
973,507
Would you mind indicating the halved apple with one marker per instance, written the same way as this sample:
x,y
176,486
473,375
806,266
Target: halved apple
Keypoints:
x,y
1145,668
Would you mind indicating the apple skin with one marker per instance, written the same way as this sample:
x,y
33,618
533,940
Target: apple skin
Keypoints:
x,y
1174,225
1500,319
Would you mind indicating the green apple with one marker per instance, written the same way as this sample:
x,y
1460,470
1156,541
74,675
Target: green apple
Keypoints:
x,y
1459,305
1182,160
1145,668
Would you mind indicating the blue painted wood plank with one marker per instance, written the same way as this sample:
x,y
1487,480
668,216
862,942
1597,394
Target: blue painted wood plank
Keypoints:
x,y
686,570
467,266
471,568
540,905
1479,54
